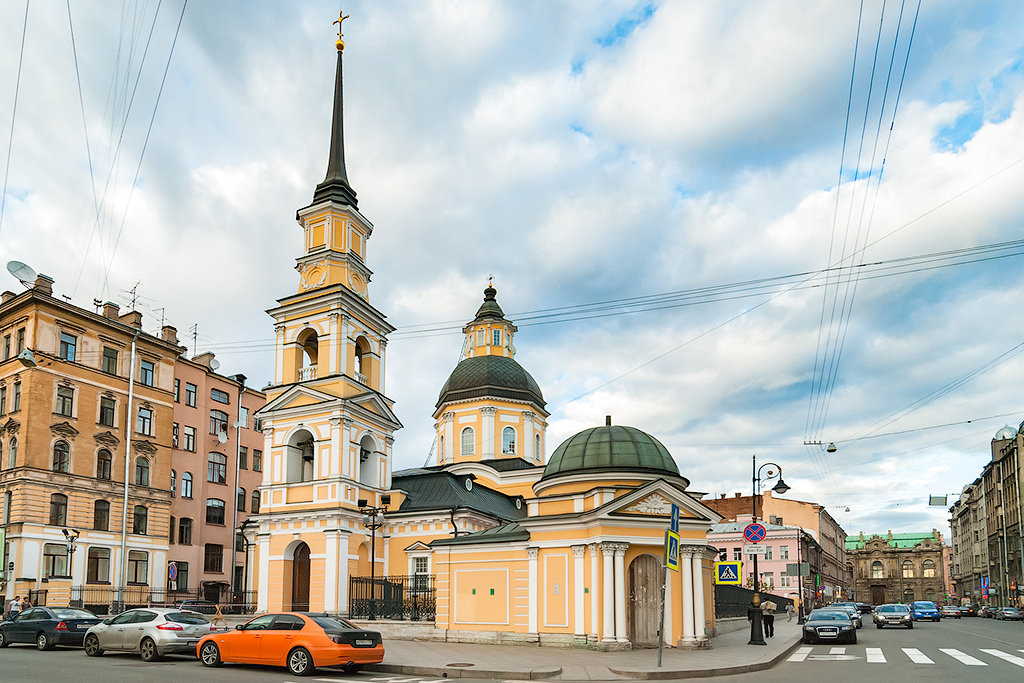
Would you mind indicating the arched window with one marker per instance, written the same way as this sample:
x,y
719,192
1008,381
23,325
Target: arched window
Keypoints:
x,y
101,515
254,505
58,509
61,456
299,457
876,570
217,468
141,472
186,485
930,595
361,350
104,461
240,499
306,362
174,483
214,511
508,441
140,519
908,569
928,569
468,441
536,447
12,453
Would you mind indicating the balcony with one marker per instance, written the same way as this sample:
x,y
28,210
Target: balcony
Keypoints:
x,y
361,378
307,373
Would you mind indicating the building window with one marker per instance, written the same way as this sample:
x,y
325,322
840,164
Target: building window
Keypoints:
x,y
16,398
144,425
495,337
468,441
877,572
181,583
480,336
108,409
68,342
257,461
58,509
101,515
190,394
240,499
21,341
908,569
170,531
175,430
7,346
243,417
257,424
737,554
6,517
3,400
218,421
142,472
104,460
220,396
214,511
12,453
65,401
217,468
184,531
177,390
61,457
140,519
138,567
928,568
783,552
254,504
508,441
190,440
239,543
97,565
147,370
174,483
767,552
243,458
186,485
536,447
784,581
55,560
213,558
109,360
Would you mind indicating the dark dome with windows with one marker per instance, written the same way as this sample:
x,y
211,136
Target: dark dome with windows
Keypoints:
x,y
495,376
611,448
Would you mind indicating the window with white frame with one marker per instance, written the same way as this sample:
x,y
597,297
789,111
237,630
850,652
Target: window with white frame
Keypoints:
x,y
68,344
468,441
783,552
508,441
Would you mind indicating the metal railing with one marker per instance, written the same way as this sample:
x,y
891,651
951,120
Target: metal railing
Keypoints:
x,y
411,597
307,373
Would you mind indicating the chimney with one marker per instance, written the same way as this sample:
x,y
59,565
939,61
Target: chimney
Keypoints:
x,y
7,296
44,284
607,420
240,378
111,310
133,318
169,333
737,495
723,495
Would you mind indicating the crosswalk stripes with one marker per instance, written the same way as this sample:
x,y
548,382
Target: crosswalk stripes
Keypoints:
x,y
837,651
875,655
800,655
916,656
962,657
1012,659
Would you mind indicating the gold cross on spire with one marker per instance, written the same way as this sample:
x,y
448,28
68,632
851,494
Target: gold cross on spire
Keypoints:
x,y
340,43
490,279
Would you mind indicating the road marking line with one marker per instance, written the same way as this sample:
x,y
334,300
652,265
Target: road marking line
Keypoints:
x,y
916,656
875,655
837,651
1005,656
800,655
962,657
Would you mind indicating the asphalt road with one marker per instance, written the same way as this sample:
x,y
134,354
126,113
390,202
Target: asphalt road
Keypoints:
x,y
950,650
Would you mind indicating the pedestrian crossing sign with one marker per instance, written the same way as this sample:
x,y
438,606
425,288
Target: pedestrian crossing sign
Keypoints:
x,y
728,573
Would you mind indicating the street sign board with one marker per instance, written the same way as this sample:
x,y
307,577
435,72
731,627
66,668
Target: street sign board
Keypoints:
x,y
672,550
753,549
675,519
798,569
172,571
754,533
728,573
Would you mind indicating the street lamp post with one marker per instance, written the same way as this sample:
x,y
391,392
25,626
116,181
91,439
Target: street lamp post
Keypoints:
x,y
71,536
371,522
773,471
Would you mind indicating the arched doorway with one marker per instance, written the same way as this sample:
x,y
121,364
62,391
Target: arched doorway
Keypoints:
x,y
300,578
644,592
878,595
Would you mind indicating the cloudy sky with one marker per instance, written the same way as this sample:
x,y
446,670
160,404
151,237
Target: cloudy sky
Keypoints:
x,y
738,226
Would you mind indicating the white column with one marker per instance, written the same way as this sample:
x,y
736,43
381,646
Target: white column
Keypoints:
x,y
698,596
449,443
578,595
349,467
593,591
335,345
608,621
685,560
330,570
487,437
279,358
526,450
531,554
383,345
620,593
262,593
335,463
666,624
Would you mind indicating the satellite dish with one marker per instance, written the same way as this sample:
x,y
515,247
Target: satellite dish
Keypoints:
x,y
214,364
222,437
22,271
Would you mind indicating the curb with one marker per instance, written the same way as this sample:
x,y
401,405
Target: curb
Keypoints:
x,y
710,672
464,672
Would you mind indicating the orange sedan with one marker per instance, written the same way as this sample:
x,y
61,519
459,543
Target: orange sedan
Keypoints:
x,y
300,642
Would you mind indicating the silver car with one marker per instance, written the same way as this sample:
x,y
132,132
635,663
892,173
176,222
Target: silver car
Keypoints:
x,y
151,631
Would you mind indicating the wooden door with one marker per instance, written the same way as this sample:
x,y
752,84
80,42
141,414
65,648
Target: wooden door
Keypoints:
x,y
300,579
878,595
644,601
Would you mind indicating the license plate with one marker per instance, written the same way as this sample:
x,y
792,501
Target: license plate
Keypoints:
x,y
364,643
82,626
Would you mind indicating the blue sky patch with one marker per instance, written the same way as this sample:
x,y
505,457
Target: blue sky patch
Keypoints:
x,y
959,132
626,24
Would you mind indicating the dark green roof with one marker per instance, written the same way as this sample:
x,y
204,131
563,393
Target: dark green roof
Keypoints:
x,y
490,308
611,448
495,376
499,534
437,489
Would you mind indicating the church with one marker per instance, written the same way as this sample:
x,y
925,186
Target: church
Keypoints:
x,y
505,544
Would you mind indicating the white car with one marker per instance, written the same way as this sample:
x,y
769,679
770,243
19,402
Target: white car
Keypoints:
x,y
151,631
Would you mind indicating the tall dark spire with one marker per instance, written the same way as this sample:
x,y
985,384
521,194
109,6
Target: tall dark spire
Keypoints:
x,y
335,185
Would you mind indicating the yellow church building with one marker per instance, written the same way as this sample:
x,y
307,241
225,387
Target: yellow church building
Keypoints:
x,y
491,541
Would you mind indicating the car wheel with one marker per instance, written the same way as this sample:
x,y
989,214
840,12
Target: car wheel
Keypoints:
x,y
910,625
3,639
878,626
43,642
148,651
352,668
92,645
209,654
300,662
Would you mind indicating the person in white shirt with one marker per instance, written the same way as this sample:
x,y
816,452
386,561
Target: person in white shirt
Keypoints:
x,y
14,607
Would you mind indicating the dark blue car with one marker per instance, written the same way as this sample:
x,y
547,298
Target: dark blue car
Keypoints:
x,y
48,627
924,609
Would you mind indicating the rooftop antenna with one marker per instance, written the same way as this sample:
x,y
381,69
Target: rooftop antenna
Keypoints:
x,y
22,272
97,304
195,339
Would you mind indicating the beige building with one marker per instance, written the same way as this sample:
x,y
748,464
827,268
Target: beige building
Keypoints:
x,y
898,568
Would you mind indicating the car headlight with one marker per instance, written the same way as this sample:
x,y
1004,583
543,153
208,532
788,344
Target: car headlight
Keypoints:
x,y
846,628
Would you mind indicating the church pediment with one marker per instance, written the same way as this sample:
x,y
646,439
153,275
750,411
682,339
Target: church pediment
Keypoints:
x,y
654,500
297,397
418,546
373,402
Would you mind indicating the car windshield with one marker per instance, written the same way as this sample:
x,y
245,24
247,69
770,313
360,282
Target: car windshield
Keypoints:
x,y
924,605
186,618
829,616
73,614
892,608
335,624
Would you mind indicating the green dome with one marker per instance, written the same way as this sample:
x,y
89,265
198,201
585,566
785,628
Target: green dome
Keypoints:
x,y
611,448
491,376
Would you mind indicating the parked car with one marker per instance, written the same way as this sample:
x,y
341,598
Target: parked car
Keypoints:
x,y
829,626
47,627
201,606
925,609
987,611
151,631
1011,613
864,608
950,611
300,642
893,615
850,607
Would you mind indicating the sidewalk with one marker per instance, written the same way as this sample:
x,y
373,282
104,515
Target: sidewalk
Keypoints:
x,y
730,655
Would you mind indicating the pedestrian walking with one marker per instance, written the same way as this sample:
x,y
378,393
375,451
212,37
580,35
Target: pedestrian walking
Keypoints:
x,y
14,607
769,618
218,616
789,612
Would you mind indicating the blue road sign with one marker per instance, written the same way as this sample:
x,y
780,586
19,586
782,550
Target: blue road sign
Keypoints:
x,y
755,533
728,573
672,550
674,527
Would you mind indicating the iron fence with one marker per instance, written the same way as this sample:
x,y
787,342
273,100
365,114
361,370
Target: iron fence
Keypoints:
x,y
411,597
108,600
733,601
